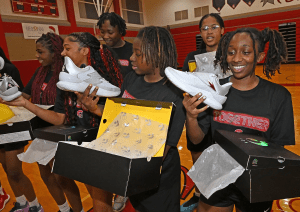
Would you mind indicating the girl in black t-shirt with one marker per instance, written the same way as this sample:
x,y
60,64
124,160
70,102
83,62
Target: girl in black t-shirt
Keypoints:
x,y
250,96
113,28
153,50
41,89
83,49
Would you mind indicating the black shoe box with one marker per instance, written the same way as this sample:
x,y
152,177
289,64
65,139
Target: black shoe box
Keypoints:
x,y
271,171
67,133
9,131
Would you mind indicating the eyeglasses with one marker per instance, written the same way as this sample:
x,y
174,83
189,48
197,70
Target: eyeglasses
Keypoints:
x,y
212,27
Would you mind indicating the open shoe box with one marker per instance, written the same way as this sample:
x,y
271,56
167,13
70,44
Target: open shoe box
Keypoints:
x,y
115,170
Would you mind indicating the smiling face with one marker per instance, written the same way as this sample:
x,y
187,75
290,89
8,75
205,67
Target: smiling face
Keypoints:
x,y
240,56
111,35
44,56
211,33
76,53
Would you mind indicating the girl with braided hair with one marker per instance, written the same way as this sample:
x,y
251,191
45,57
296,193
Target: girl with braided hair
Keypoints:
x,y
83,49
250,98
153,50
42,90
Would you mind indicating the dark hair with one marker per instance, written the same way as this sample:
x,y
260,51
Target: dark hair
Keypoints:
x,y
276,54
4,56
103,60
115,20
54,44
158,47
218,19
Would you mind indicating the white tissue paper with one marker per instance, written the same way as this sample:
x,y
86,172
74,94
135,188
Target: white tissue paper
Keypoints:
x,y
205,63
214,170
40,150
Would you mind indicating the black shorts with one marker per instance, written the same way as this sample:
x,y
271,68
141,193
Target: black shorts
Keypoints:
x,y
205,143
166,198
232,196
13,146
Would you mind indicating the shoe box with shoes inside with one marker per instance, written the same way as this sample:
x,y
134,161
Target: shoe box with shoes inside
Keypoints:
x,y
73,78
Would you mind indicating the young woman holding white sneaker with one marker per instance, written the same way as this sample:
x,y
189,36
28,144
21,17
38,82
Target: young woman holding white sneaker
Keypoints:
x,y
84,49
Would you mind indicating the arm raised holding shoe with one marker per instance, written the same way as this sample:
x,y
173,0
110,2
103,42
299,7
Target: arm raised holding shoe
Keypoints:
x,y
193,129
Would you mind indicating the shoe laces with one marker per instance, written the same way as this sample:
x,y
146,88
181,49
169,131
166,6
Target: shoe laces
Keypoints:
x,y
10,82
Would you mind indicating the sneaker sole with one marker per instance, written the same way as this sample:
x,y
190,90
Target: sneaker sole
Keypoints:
x,y
80,87
10,97
5,202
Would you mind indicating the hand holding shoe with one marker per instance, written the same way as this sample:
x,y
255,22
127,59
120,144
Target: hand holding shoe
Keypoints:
x,y
191,103
89,101
20,101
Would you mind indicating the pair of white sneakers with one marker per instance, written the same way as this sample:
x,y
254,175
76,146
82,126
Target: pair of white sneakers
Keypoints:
x,y
200,82
9,89
73,78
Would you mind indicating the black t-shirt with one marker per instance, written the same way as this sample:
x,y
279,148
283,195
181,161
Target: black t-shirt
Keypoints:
x,y
28,87
82,114
135,87
12,71
191,56
124,53
266,111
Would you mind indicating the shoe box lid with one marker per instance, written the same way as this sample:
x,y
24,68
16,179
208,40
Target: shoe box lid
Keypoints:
x,y
120,175
271,171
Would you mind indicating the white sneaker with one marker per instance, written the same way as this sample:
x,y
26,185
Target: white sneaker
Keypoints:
x,y
73,78
195,82
2,63
8,88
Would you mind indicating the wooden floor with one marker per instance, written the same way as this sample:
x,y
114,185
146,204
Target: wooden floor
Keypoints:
x,y
289,78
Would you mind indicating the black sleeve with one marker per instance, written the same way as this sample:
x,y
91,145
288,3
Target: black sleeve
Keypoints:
x,y
59,105
12,71
282,129
204,120
27,88
176,123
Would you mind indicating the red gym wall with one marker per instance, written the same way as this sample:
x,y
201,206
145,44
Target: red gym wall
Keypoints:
x,y
185,37
28,67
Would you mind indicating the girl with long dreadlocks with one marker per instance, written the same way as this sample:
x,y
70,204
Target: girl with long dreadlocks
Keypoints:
x,y
83,49
153,50
42,90
250,97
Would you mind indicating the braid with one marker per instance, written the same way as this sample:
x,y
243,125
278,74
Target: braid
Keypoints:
x,y
277,52
54,44
158,47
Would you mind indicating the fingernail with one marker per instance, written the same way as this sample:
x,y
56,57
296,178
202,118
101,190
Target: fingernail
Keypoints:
x,y
90,85
97,88
200,94
204,97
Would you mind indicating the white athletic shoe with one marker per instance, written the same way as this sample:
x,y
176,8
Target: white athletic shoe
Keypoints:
x,y
8,88
2,63
195,82
73,78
